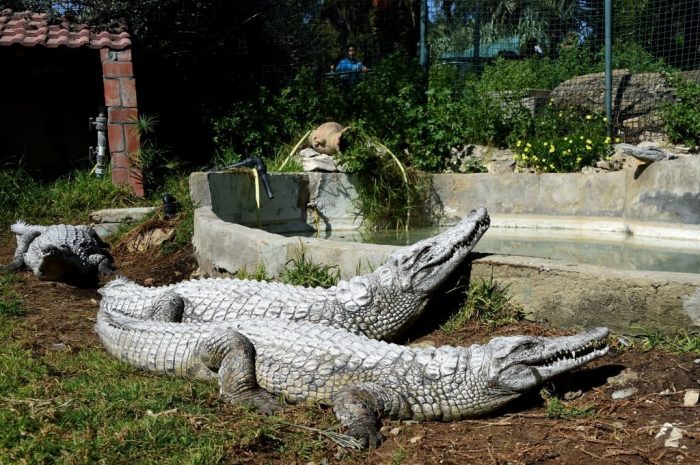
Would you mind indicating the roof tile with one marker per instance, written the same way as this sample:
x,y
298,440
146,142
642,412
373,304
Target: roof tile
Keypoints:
x,y
34,29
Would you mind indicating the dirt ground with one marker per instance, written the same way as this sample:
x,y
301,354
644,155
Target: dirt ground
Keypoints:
x,y
624,431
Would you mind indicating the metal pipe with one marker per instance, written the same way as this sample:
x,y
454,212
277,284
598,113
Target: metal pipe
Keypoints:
x,y
100,125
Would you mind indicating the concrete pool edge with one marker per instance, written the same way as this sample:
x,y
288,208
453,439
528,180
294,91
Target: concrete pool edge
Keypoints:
x,y
564,294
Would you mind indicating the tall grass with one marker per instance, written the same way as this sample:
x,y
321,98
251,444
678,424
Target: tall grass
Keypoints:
x,y
67,200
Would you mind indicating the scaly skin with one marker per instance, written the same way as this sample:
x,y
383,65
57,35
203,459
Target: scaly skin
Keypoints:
x,y
379,305
259,360
74,254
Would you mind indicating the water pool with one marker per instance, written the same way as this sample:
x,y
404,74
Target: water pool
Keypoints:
x,y
615,250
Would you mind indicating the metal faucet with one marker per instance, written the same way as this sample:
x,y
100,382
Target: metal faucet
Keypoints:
x,y
260,167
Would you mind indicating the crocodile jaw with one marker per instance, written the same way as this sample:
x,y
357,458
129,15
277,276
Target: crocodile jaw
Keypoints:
x,y
517,364
424,266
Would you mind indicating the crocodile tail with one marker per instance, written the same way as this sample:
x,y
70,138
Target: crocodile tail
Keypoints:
x,y
121,283
125,297
20,228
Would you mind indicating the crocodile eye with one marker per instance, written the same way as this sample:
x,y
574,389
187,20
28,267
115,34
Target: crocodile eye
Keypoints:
x,y
386,276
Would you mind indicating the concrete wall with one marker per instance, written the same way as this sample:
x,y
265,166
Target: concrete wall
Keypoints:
x,y
661,201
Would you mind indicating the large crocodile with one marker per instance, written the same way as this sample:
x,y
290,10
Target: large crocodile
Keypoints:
x,y
74,254
260,360
380,304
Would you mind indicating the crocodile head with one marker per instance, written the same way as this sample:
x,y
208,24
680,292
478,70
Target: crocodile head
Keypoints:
x,y
422,267
509,366
397,291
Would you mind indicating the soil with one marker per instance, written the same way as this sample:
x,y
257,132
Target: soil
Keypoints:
x,y
625,431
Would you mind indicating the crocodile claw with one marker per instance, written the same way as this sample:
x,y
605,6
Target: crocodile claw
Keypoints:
x,y
367,437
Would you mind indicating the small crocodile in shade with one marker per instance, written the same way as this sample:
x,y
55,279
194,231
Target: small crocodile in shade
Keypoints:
x,y
73,254
260,360
380,305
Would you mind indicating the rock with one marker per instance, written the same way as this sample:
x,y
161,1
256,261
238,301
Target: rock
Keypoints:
x,y
395,431
645,154
691,398
672,435
311,160
149,282
58,346
427,344
571,395
479,158
416,439
149,239
118,215
636,96
624,393
626,376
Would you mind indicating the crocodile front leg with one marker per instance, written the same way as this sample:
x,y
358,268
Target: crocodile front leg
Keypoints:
x,y
361,407
232,356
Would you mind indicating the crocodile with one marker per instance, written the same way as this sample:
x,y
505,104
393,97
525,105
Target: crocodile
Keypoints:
x,y
73,254
381,304
261,361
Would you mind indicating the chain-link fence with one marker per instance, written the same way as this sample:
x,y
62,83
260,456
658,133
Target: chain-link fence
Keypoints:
x,y
554,51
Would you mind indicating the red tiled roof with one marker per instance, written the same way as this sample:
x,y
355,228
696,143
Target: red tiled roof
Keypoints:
x,y
32,29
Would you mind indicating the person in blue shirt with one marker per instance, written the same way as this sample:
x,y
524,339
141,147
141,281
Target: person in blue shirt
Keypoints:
x,y
350,67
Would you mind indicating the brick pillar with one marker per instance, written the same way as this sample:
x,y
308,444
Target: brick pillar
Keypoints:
x,y
122,111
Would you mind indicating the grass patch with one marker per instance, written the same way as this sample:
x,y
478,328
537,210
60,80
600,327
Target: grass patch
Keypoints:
x,y
301,271
678,343
488,303
85,407
557,408
11,303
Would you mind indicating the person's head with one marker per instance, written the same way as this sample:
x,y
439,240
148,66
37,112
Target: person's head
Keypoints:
x,y
352,51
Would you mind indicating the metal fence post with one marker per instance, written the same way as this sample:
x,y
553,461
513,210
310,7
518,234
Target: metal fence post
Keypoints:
x,y
423,58
608,65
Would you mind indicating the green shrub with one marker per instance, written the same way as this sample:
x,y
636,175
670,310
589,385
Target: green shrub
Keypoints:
x,y
682,117
562,141
389,193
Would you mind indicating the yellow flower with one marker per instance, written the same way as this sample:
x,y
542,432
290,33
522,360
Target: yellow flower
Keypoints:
x,y
605,119
589,142
519,143
580,137
526,149
618,140
551,148
589,117
529,144
560,114
608,140
588,147
578,159
551,165
571,141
